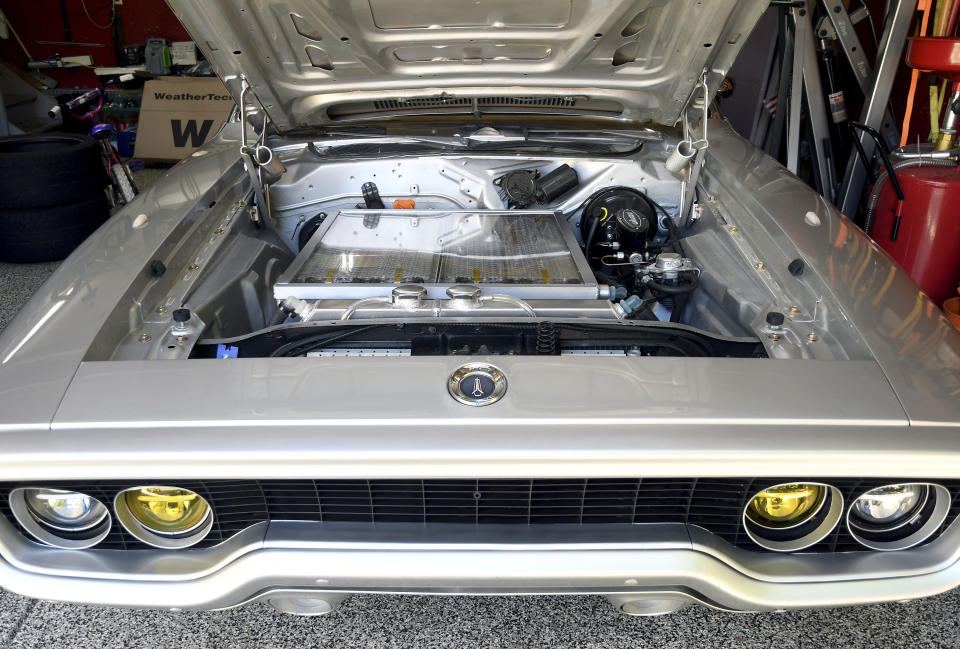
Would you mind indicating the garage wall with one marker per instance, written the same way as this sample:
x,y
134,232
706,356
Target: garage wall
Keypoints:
x,y
40,20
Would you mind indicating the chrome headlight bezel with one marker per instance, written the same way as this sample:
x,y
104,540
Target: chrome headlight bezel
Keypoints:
x,y
914,527
819,524
59,534
154,538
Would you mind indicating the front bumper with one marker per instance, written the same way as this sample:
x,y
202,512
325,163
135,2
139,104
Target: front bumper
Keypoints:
x,y
313,560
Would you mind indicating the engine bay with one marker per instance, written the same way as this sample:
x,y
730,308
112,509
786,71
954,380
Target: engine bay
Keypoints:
x,y
517,252
513,251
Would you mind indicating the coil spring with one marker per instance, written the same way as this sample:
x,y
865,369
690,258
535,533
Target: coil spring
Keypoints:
x,y
547,337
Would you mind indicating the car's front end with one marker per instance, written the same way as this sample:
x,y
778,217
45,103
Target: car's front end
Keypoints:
x,y
563,363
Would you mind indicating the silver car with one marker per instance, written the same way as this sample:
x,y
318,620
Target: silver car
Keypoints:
x,y
473,298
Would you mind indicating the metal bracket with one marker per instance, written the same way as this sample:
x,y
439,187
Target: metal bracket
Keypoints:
x,y
689,191
262,165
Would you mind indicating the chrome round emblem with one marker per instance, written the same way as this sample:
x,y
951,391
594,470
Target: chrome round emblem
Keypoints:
x,y
477,384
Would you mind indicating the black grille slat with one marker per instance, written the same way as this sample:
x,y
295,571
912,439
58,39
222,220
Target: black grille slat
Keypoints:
x,y
714,504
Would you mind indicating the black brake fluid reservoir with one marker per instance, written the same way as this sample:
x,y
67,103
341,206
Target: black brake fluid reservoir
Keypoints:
x,y
634,228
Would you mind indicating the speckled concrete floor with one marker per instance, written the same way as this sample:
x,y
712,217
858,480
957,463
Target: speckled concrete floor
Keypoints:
x,y
462,623
456,622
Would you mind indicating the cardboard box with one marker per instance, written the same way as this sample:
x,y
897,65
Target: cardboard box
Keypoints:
x,y
178,115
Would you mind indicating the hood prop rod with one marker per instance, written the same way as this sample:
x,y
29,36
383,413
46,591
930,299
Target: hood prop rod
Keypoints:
x,y
262,165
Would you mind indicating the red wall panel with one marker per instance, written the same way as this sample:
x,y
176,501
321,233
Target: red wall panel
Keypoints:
x,y
40,20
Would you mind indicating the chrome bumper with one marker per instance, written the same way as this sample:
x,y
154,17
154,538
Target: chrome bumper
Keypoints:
x,y
309,560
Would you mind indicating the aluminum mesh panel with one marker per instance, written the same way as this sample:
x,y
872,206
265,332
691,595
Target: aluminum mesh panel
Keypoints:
x,y
358,252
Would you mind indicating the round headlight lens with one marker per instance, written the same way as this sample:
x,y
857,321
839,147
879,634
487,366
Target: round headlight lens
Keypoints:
x,y
63,519
166,511
889,504
786,505
67,511
898,516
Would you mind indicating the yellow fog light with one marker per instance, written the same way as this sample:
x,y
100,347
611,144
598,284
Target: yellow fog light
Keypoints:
x,y
166,517
786,505
793,515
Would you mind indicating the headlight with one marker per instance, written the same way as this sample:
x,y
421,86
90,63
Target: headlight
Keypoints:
x,y
64,519
898,516
165,517
792,516
786,505
888,506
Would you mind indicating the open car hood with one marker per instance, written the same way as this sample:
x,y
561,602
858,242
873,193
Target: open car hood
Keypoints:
x,y
316,62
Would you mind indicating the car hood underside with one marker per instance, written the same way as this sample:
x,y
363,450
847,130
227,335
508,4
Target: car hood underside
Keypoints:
x,y
313,62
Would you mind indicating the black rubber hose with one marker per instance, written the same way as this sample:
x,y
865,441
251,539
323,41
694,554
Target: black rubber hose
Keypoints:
x,y
593,231
874,197
304,345
279,316
692,282
674,236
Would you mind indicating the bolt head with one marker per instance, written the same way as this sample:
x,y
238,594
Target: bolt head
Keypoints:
x,y
794,309
813,337
162,309
218,231
181,339
774,336
144,338
760,265
734,228
194,267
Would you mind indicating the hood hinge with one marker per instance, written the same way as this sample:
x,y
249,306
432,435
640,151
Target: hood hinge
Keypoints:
x,y
262,165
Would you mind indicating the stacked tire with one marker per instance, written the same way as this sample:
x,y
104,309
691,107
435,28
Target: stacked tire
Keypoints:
x,y
52,195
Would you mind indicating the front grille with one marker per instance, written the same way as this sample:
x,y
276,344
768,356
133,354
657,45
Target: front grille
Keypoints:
x,y
714,504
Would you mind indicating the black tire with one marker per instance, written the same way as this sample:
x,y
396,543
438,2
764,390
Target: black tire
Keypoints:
x,y
49,170
49,233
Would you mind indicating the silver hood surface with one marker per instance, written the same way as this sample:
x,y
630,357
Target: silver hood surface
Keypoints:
x,y
316,62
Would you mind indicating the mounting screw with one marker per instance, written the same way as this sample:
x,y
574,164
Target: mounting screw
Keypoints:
x,y
774,336
181,339
144,338
734,229
760,265
794,309
162,309
194,267
218,231
812,337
